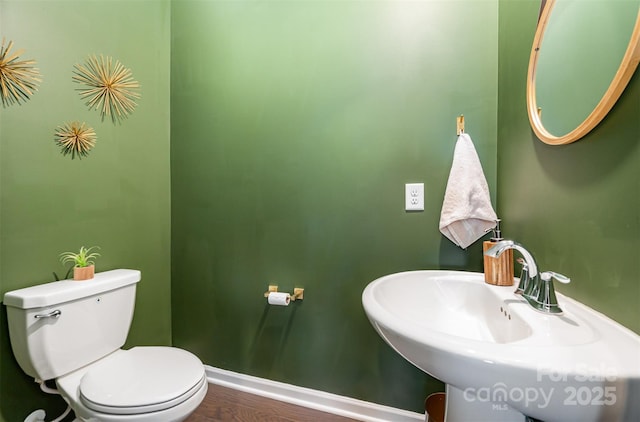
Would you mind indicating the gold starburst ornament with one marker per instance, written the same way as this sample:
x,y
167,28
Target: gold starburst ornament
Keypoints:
x,y
18,78
110,87
75,138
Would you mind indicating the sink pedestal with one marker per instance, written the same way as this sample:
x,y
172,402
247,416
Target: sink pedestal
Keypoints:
x,y
465,406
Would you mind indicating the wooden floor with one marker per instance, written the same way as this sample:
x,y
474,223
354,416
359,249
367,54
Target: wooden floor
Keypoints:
x,y
226,404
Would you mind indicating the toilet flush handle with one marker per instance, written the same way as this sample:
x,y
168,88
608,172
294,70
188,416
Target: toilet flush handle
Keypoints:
x,y
54,314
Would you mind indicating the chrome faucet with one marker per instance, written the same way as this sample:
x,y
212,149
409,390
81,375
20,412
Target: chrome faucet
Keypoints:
x,y
536,288
524,284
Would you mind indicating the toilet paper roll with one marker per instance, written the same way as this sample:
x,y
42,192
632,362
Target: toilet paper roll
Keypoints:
x,y
279,299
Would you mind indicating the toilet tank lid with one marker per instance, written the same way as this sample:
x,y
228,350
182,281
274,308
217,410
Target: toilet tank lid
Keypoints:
x,y
57,292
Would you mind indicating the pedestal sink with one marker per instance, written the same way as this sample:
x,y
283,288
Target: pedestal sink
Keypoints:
x,y
500,358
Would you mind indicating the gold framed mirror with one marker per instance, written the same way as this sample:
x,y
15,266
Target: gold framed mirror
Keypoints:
x,y
549,83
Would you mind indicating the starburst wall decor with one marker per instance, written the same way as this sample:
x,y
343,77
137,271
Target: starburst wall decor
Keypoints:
x,y
18,78
110,87
76,139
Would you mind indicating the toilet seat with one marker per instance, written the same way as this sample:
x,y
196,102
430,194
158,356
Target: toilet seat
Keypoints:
x,y
141,380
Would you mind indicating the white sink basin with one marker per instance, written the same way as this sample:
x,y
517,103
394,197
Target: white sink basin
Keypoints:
x,y
497,353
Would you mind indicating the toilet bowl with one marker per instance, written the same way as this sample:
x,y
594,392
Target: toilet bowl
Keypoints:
x,y
72,332
141,384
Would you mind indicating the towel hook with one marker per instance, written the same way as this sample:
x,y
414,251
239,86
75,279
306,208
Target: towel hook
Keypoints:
x,y
460,125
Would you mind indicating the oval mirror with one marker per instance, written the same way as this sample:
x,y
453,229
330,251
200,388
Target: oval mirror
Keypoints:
x,y
584,53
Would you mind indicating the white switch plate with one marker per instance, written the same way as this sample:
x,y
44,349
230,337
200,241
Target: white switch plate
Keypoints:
x,y
414,197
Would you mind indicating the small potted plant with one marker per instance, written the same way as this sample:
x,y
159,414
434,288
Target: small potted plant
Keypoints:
x,y
83,262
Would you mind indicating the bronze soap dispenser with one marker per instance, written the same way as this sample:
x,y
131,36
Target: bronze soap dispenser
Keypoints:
x,y
498,271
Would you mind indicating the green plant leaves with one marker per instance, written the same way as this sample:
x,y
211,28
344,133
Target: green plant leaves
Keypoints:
x,y
82,258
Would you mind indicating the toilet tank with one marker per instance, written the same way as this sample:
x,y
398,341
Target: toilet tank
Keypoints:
x,y
93,319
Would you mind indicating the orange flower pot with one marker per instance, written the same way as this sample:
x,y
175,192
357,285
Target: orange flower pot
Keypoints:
x,y
83,273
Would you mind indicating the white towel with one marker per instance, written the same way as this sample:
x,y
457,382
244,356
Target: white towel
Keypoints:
x,y
466,213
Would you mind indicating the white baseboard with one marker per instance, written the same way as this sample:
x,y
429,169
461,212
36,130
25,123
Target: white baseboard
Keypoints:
x,y
314,399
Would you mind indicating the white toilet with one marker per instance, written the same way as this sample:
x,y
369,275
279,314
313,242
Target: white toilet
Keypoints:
x,y
72,331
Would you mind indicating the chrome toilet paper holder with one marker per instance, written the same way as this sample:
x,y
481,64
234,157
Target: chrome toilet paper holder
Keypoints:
x,y
298,293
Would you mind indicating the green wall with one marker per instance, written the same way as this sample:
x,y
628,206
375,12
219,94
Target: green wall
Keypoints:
x,y
294,127
118,197
575,207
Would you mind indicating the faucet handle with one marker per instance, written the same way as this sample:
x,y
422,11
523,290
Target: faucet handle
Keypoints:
x,y
548,275
546,296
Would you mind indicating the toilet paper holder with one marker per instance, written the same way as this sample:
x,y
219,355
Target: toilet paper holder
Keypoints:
x,y
298,293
